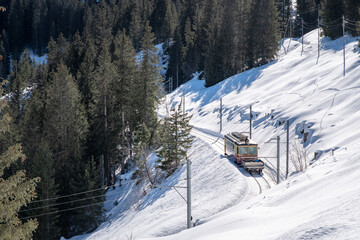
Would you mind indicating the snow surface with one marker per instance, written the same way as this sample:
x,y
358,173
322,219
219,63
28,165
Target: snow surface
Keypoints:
x,y
322,202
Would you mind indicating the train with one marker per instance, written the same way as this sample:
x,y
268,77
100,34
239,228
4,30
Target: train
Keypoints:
x,y
244,151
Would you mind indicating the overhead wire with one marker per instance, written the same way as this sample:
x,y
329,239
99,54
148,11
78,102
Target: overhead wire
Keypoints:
x,y
63,203
64,210
79,207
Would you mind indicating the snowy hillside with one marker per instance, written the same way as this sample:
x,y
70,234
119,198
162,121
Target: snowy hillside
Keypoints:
x,y
322,202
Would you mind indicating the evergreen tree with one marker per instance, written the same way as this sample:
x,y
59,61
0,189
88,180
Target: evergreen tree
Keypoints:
x,y
76,54
176,139
4,55
171,20
332,12
15,189
307,11
58,52
87,219
125,92
40,36
352,14
142,144
103,109
229,38
43,166
213,58
65,128
262,33
189,52
136,24
149,83
174,72
22,76
85,75
33,128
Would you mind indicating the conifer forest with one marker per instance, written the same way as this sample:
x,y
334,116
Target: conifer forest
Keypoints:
x,y
68,123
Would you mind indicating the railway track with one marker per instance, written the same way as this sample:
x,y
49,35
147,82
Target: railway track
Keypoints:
x,y
217,144
260,178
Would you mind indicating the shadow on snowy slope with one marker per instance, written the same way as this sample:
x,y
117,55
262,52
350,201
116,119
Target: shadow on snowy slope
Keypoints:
x,y
195,88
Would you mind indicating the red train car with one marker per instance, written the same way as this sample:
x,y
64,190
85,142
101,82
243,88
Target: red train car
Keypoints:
x,y
244,151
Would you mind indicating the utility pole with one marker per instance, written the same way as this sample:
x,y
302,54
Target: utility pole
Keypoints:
x,y
343,25
184,102
102,171
287,148
220,114
177,75
278,160
188,180
318,25
251,116
170,84
123,143
302,34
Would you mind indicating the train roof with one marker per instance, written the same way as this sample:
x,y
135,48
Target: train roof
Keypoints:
x,y
240,138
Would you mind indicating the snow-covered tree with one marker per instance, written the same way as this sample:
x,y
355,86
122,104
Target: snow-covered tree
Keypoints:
x,y
176,139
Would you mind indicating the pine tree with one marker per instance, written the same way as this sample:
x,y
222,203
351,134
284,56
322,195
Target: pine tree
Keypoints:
x,y
43,166
58,52
136,24
15,190
171,20
230,39
103,109
87,219
262,33
189,51
332,12
149,84
33,128
123,88
308,12
213,58
176,139
142,144
352,13
4,55
86,75
21,76
65,128
174,72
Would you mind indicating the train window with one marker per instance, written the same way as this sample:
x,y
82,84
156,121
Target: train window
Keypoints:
x,y
253,150
244,150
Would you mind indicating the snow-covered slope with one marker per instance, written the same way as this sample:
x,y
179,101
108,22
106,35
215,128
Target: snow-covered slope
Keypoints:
x,y
322,202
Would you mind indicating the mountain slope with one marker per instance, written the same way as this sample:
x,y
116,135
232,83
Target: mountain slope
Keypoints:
x,y
323,108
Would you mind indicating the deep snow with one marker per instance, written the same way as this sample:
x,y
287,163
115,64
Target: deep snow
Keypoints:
x,y
322,202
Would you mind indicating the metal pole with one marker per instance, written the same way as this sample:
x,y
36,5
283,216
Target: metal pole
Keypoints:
x,y
188,163
287,148
220,114
251,116
102,171
318,22
302,33
184,102
343,21
278,160
177,75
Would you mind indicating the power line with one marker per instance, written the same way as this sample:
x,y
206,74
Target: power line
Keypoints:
x,y
69,209
58,204
93,190
69,195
